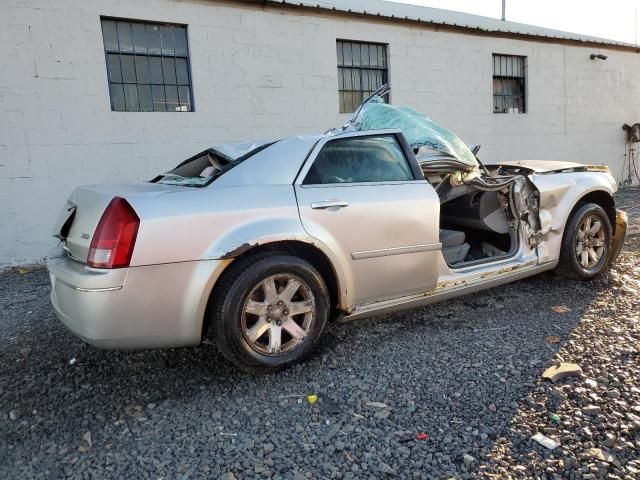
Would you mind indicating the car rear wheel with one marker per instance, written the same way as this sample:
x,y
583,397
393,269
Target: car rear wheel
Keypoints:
x,y
586,243
269,310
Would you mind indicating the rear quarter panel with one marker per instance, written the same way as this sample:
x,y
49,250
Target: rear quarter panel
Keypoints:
x,y
207,223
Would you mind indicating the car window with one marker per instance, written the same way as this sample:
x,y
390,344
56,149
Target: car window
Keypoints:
x,y
360,159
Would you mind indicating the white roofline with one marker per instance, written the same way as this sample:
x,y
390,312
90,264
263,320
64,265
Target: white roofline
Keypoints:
x,y
436,16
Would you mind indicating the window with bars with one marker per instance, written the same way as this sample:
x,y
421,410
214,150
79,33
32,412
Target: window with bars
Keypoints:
x,y
509,84
362,69
147,66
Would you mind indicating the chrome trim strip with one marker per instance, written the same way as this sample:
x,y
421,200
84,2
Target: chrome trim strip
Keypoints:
x,y
385,252
80,289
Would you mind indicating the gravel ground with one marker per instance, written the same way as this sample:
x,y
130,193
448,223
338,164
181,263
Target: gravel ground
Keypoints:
x,y
465,372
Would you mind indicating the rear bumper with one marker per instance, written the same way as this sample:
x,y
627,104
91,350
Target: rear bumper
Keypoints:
x,y
138,307
619,235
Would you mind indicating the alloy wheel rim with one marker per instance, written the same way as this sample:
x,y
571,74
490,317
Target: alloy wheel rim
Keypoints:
x,y
278,314
590,242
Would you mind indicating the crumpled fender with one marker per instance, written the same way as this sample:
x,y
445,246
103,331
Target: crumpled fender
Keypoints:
x,y
559,194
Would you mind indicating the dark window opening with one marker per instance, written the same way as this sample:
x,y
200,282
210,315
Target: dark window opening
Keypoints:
x,y
362,69
360,160
147,66
509,84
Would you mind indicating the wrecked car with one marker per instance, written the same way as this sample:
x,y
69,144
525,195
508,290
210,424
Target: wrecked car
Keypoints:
x,y
261,245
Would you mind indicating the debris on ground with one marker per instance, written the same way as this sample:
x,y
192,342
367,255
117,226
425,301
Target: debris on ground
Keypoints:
x,y
552,339
561,309
421,436
559,372
87,443
545,441
376,404
601,454
592,410
312,399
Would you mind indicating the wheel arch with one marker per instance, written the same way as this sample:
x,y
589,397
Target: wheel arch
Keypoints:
x,y
602,198
305,250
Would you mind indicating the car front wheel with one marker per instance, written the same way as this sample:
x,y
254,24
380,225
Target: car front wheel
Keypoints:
x,y
269,311
586,243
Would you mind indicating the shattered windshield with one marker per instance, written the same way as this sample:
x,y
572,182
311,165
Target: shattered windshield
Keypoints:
x,y
419,130
203,168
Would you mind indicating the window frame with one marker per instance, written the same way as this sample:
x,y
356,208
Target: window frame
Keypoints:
x,y
407,153
134,54
342,66
522,80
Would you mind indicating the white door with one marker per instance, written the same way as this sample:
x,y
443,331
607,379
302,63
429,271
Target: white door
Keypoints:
x,y
361,196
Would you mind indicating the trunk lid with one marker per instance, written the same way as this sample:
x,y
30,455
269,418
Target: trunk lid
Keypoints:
x,y
79,218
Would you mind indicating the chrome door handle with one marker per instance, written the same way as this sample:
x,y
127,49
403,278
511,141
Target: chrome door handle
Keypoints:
x,y
329,204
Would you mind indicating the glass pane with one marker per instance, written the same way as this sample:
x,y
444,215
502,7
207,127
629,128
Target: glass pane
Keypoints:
x,y
372,159
169,70
139,38
180,40
109,35
155,67
172,98
146,101
342,102
503,65
520,68
167,40
153,39
117,97
355,58
113,64
182,71
131,98
124,37
339,48
373,55
346,52
159,102
347,82
128,69
142,69
364,54
371,80
184,98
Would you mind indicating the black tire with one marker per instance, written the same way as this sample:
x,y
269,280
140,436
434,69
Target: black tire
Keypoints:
x,y
229,320
569,266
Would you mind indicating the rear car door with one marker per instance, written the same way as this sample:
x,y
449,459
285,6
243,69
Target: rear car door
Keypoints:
x,y
362,194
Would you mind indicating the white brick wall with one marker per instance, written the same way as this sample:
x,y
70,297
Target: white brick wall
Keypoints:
x,y
262,73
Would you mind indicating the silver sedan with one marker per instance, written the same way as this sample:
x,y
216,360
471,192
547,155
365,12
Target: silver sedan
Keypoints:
x,y
262,245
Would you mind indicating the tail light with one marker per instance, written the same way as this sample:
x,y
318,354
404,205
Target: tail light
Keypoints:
x,y
115,236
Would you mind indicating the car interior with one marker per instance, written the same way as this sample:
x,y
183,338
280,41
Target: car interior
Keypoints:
x,y
474,224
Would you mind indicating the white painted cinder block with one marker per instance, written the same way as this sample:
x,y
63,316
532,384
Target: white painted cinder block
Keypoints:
x,y
267,72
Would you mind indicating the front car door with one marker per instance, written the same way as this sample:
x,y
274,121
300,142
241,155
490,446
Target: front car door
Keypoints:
x,y
363,195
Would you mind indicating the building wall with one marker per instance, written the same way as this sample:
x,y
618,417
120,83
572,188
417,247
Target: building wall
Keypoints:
x,y
267,72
